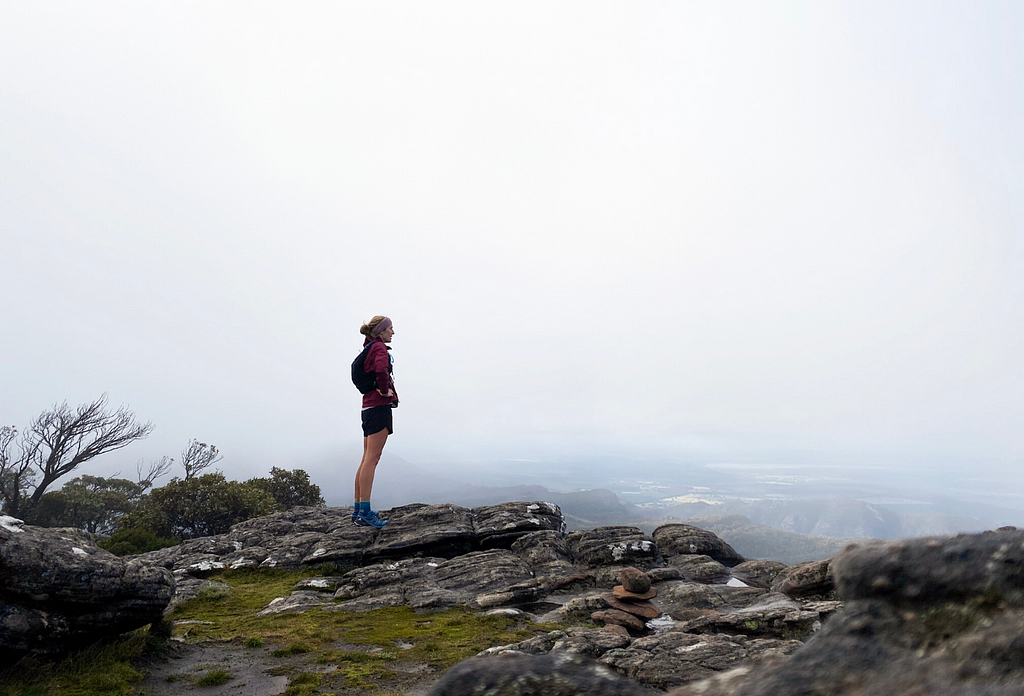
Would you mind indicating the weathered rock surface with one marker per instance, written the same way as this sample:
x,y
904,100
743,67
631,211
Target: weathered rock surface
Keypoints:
x,y
514,674
682,539
700,568
619,618
612,546
548,557
644,609
498,526
435,530
758,573
59,590
939,616
810,579
667,660
661,660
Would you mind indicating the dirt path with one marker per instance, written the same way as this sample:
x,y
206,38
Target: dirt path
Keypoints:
x,y
257,672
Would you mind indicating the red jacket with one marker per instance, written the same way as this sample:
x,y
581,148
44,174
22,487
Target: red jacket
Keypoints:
x,y
377,361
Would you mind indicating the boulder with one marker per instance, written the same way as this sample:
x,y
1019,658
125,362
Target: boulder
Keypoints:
x,y
515,674
634,580
621,618
607,546
427,530
548,557
682,539
810,579
593,642
758,573
58,590
498,526
700,568
937,616
789,622
393,584
580,607
737,597
664,574
936,570
488,578
678,598
342,547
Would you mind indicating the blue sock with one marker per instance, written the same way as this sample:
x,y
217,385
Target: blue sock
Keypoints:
x,y
364,507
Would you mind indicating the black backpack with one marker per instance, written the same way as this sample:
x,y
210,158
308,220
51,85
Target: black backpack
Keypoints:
x,y
365,381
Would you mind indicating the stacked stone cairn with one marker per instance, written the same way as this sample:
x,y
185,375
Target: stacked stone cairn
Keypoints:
x,y
629,604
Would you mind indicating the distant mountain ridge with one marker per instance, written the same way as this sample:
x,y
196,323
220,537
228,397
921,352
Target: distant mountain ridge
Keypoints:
x,y
758,541
829,518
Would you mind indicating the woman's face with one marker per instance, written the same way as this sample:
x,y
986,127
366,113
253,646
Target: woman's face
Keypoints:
x,y
387,333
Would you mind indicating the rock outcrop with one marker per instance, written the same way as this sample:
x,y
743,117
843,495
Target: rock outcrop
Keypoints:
x,y
557,674
941,616
59,590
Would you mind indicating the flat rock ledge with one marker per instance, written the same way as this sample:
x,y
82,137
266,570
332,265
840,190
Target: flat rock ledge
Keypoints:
x,y
59,591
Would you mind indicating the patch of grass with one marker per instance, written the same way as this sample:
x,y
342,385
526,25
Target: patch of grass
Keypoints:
x,y
252,642
304,684
213,592
215,677
292,649
103,669
439,639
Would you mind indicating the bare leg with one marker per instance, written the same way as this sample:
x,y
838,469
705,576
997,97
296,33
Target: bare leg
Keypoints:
x,y
358,497
367,467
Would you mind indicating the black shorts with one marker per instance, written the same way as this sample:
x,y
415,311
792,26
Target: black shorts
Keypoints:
x,y
376,418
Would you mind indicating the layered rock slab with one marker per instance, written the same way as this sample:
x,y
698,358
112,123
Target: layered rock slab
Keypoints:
x,y
499,526
58,590
683,539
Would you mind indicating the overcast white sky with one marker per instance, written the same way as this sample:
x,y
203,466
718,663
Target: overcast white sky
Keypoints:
x,y
594,224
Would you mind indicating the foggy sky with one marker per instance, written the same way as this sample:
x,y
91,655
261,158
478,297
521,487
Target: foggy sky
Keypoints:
x,y
595,225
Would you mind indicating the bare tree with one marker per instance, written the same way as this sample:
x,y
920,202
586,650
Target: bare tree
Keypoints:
x,y
58,442
198,456
153,472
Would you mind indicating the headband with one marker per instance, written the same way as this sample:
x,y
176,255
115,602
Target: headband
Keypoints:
x,y
381,327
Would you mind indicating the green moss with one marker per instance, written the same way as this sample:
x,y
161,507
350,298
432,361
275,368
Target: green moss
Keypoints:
x,y
750,625
215,677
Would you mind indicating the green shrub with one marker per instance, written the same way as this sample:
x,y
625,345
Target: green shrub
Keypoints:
x,y
130,541
290,488
200,506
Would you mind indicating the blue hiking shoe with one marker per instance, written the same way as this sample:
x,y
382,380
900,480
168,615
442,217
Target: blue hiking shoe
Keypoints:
x,y
365,519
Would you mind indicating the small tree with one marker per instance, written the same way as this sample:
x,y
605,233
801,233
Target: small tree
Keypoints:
x,y
290,488
58,442
92,503
199,506
198,456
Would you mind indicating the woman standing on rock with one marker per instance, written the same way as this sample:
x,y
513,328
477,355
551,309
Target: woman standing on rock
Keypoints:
x,y
378,403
